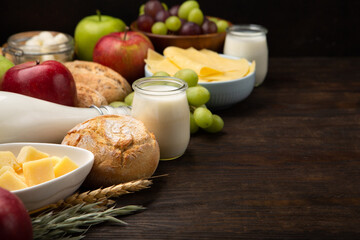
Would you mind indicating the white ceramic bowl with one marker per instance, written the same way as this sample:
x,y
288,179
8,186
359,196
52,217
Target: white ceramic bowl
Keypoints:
x,y
224,94
59,188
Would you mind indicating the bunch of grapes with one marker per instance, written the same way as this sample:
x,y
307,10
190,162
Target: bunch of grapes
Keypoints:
x,y
197,96
184,19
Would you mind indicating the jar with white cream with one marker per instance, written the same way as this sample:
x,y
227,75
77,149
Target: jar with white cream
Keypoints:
x,y
249,41
161,104
39,46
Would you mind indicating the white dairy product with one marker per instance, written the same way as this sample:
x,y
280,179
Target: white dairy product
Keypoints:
x,y
249,41
45,42
27,119
165,111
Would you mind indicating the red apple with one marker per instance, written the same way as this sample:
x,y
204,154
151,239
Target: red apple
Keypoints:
x,y
124,52
15,222
49,80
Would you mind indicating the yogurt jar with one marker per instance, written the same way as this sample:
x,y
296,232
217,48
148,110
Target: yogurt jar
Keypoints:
x,y
39,45
249,41
161,104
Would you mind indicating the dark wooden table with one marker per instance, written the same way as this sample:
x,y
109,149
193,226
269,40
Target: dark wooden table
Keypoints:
x,y
286,166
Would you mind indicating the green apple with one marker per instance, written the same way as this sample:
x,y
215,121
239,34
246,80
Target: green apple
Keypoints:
x,y
90,29
5,64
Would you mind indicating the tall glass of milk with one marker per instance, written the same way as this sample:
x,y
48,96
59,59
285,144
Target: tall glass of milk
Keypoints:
x,y
249,41
161,104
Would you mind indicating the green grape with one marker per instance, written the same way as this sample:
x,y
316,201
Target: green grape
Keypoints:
x,y
222,25
217,125
186,7
203,117
159,28
193,126
142,9
118,104
196,16
173,23
129,98
165,6
162,74
197,95
214,19
188,75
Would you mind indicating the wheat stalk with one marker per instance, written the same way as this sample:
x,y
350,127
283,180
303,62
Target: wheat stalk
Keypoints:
x,y
101,196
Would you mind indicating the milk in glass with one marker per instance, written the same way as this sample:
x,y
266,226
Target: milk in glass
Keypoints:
x,y
249,41
161,104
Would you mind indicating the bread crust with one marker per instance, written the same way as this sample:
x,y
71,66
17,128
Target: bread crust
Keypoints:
x,y
87,97
101,78
124,149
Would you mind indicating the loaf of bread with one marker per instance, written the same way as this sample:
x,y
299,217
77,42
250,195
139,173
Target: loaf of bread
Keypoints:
x,y
87,97
103,79
124,149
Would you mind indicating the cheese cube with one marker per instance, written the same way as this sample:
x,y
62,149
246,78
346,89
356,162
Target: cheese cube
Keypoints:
x,y
7,158
10,181
64,166
6,168
55,160
29,153
38,171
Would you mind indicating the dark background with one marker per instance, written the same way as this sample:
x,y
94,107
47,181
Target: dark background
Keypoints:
x,y
296,28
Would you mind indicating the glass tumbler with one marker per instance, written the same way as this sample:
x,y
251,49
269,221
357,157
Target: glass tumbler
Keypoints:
x,y
249,41
161,104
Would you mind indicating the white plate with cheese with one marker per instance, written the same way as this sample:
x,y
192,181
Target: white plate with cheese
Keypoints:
x,y
40,195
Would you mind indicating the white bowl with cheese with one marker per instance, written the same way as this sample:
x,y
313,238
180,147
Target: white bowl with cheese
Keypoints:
x,y
224,94
49,192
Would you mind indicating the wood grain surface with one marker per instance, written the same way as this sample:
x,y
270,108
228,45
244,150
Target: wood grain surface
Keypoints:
x,y
286,166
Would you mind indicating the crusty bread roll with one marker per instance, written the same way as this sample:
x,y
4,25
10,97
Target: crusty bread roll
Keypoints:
x,y
103,79
88,97
124,149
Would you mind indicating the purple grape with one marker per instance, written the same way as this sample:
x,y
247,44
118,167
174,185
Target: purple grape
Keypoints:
x,y
209,27
174,10
162,16
152,7
190,28
145,22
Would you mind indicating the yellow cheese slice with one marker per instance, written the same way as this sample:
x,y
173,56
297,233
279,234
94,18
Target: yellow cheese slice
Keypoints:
x,y
10,181
65,165
226,76
252,67
156,63
191,60
29,153
38,171
227,64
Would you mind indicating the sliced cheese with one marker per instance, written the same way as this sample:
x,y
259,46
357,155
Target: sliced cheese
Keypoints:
x,y
65,165
38,171
156,63
191,59
208,65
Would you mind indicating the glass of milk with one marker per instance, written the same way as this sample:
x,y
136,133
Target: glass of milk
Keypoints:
x,y
249,41
161,104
